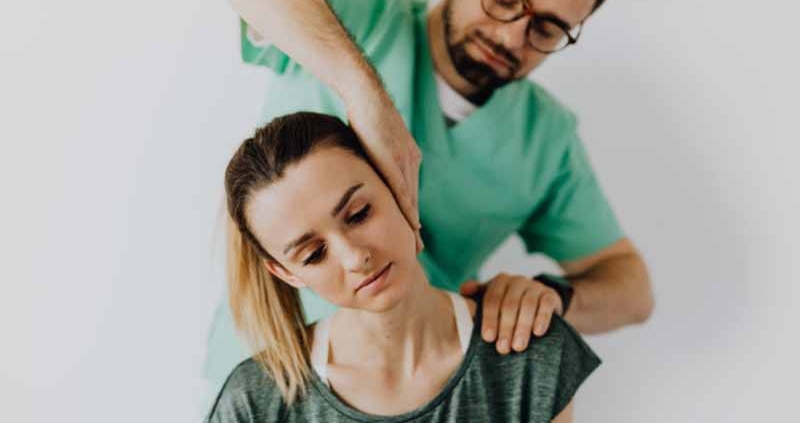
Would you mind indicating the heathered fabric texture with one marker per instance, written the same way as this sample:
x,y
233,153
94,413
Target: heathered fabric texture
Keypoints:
x,y
532,386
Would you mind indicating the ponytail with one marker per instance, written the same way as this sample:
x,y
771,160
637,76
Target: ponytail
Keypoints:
x,y
266,310
268,313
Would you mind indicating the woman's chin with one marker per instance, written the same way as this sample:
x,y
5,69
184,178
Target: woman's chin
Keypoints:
x,y
393,293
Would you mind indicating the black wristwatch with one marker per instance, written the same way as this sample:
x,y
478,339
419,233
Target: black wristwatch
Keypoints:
x,y
561,285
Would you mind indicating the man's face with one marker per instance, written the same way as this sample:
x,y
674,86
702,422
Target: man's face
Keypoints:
x,y
489,53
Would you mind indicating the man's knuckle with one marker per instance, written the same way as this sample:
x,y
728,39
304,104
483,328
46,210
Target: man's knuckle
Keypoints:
x,y
509,308
529,301
492,296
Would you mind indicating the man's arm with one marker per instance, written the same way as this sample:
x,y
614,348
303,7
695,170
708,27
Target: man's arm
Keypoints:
x,y
612,289
309,32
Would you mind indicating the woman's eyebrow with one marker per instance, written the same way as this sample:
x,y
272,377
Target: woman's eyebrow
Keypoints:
x,y
336,210
299,241
345,198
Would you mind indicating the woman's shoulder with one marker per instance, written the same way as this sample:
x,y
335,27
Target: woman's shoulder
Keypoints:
x,y
560,338
552,369
563,342
250,391
560,346
247,375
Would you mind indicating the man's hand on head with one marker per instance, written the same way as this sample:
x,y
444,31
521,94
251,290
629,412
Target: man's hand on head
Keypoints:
x,y
393,150
514,307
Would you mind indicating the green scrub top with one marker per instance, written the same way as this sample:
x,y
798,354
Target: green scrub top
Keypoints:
x,y
515,165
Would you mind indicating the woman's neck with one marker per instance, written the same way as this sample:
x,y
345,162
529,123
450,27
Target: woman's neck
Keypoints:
x,y
400,340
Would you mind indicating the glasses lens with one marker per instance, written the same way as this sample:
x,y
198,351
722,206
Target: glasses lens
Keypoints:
x,y
503,10
546,36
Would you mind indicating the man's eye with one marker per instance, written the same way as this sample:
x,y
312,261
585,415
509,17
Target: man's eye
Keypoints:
x,y
508,4
542,28
315,257
359,216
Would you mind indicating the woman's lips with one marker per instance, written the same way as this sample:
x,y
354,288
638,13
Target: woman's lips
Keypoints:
x,y
378,277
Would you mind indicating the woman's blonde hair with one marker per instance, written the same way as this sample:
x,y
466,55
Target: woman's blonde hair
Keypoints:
x,y
266,310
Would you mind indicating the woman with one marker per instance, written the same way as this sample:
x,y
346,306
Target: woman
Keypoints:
x,y
308,210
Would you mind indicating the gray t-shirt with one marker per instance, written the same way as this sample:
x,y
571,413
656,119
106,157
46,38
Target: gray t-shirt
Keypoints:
x,y
531,386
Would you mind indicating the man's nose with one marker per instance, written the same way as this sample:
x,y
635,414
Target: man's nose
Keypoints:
x,y
512,35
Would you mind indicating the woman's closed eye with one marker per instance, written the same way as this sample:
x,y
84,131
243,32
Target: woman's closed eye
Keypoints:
x,y
359,216
315,257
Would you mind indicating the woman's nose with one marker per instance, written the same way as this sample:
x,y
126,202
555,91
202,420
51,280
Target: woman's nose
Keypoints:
x,y
357,258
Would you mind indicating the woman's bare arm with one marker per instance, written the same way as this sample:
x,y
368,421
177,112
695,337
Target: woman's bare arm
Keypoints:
x,y
565,416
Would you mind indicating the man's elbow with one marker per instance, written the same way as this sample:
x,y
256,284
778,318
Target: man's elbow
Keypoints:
x,y
643,309
643,306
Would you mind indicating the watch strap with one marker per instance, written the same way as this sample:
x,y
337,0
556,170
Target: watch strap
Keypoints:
x,y
559,284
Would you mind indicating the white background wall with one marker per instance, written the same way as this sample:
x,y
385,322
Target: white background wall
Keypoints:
x,y
118,118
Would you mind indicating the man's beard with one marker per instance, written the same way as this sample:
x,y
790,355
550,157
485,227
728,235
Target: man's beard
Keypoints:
x,y
479,74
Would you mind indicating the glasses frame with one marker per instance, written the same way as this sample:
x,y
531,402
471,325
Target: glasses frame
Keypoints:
x,y
527,10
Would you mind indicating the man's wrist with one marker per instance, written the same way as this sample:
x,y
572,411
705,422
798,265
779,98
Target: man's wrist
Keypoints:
x,y
358,82
365,93
562,287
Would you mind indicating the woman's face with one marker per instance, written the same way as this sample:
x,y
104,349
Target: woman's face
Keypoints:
x,y
333,225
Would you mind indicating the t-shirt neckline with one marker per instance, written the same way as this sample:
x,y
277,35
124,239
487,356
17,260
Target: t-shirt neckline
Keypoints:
x,y
475,340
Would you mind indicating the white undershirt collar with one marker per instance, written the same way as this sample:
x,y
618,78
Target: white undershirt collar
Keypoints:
x,y
321,341
454,106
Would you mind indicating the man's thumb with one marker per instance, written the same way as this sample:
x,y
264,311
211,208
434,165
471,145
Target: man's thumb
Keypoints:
x,y
470,287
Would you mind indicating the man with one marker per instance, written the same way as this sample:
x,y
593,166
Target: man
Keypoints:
x,y
501,156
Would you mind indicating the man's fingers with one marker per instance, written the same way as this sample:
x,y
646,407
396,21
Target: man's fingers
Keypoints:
x,y
491,307
392,160
408,158
548,302
420,244
524,326
412,180
509,312
397,183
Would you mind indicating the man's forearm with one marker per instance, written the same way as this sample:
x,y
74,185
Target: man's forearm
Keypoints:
x,y
611,294
309,32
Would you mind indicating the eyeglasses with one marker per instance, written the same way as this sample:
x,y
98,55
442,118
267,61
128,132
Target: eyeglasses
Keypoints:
x,y
546,32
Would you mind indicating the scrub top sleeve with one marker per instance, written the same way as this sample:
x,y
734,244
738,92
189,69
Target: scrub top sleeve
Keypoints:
x,y
360,17
575,219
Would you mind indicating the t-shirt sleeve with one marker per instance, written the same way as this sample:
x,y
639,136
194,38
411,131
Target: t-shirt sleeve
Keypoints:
x,y
361,18
248,396
577,362
574,219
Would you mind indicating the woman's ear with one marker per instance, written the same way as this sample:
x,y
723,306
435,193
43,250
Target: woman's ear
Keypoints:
x,y
277,270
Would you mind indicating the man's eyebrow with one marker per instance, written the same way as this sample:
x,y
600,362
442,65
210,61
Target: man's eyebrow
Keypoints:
x,y
345,198
339,206
553,18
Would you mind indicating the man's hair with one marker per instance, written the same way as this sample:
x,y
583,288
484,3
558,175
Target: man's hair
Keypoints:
x,y
597,4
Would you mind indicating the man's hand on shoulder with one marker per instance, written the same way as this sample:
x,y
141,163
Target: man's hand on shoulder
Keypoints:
x,y
514,307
